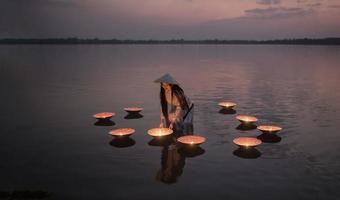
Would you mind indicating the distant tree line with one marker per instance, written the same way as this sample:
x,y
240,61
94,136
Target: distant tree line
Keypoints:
x,y
300,41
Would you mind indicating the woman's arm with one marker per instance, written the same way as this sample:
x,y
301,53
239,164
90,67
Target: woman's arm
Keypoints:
x,y
161,125
177,116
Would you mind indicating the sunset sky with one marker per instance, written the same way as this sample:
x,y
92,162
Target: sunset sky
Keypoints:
x,y
168,19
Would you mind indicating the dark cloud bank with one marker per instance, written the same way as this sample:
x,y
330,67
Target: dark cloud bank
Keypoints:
x,y
75,18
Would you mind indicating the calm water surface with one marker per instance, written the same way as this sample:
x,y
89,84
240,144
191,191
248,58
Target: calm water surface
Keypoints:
x,y
49,141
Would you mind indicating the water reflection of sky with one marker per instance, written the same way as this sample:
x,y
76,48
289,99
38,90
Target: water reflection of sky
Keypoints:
x,y
49,140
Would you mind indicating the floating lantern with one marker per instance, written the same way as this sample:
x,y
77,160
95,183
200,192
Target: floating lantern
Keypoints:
x,y
247,141
122,132
191,139
246,119
227,104
269,129
133,109
159,132
104,115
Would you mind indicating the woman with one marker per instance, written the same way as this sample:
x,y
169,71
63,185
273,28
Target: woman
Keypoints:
x,y
176,108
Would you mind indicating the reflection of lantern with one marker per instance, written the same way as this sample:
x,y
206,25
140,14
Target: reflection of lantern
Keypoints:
x,y
246,119
133,109
159,132
227,104
269,129
247,141
122,142
122,132
191,139
248,153
104,115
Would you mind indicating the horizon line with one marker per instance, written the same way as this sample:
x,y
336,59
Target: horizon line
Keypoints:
x,y
76,40
169,39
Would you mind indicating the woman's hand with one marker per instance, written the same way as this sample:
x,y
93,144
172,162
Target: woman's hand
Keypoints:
x,y
171,126
161,125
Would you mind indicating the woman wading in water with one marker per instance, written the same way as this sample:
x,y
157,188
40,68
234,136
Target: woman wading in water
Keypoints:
x,y
176,108
177,113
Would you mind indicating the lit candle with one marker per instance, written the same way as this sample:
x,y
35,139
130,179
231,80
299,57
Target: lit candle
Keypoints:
x,y
104,115
269,128
227,104
159,132
191,139
247,141
247,119
122,132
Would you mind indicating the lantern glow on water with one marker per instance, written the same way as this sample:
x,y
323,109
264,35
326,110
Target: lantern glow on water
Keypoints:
x,y
227,104
104,115
269,128
246,119
247,141
122,132
191,139
159,132
133,109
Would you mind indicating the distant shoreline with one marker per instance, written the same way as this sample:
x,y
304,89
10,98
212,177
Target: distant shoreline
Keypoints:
x,y
73,41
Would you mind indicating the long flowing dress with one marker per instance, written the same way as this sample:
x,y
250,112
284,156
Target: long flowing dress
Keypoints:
x,y
182,118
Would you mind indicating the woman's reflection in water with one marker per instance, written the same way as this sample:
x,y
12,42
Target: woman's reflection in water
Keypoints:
x,y
174,155
161,142
172,165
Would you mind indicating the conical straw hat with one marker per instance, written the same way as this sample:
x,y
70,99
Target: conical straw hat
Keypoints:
x,y
166,78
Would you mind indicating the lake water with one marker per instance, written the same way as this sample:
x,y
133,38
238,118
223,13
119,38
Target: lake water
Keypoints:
x,y
49,140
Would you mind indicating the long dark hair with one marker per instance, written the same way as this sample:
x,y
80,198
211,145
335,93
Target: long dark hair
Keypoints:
x,y
175,91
